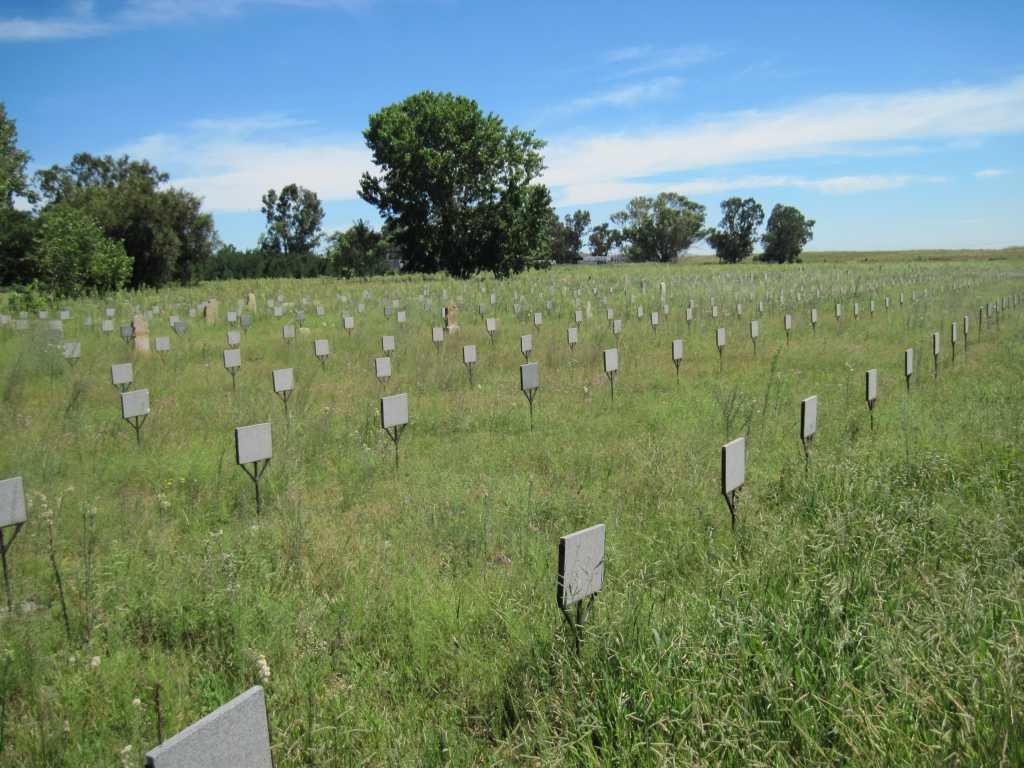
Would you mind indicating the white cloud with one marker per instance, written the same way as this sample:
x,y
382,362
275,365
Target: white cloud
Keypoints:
x,y
82,21
586,169
644,59
231,163
630,95
610,191
990,173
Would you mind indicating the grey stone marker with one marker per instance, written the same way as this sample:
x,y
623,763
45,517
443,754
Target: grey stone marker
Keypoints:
x,y
437,336
611,314
966,328
232,316
572,337
953,339
720,343
808,424
288,333
580,576
611,367
121,375
107,326
578,317
936,347
284,385
321,351
12,514
135,409
387,345
234,338
469,359
526,345
235,735
400,315
616,327
233,363
109,312
655,319
734,472
394,417
871,392
180,328
814,321
714,311
538,320
254,445
677,355
787,323
908,365
755,331
348,322
72,351
127,333
492,327
162,344
689,316
839,312
529,383
382,369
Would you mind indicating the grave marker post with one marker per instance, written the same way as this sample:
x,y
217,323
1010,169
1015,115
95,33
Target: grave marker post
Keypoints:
x,y
321,350
755,331
469,359
720,343
232,364
254,446
529,383
936,346
871,392
135,409
580,576
908,365
284,384
734,460
677,355
526,345
394,417
808,426
611,367
12,514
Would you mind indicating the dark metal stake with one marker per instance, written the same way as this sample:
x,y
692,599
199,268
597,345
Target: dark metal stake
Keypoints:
x,y
255,474
4,549
730,499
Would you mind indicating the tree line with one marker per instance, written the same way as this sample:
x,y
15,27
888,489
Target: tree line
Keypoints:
x,y
457,191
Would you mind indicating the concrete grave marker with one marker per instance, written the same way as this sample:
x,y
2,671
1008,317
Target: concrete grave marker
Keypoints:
x,y
107,326
580,575
394,417
677,355
162,344
720,343
808,423
611,367
288,333
387,345
12,514
437,336
232,316
72,351
578,317
734,472
871,392
936,347
348,322
526,345
953,339
469,359
382,369
254,446
755,331
321,350
180,328
655,319
572,337
908,365
234,338
135,409
121,375
233,363
400,316
787,323
814,321
617,327
492,327
529,383
284,385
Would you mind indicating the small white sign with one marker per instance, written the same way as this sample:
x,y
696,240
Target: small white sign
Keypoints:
x,y
121,374
871,385
580,565
387,344
135,403
908,363
437,334
677,349
526,343
611,360
284,380
808,417
734,464
382,367
469,354
232,358
529,376
394,411
253,443
12,502
720,338
321,348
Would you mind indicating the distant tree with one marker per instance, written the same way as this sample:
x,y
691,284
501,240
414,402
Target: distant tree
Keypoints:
x,y
602,240
359,251
229,263
660,228
734,240
786,235
13,163
294,220
74,257
567,237
163,229
17,228
457,188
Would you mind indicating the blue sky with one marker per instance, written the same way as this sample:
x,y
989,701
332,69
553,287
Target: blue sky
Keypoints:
x,y
894,125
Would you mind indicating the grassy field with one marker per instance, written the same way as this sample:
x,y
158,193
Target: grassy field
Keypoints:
x,y
867,610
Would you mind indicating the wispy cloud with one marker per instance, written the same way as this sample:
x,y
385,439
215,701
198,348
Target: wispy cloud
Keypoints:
x,y
644,59
81,19
990,173
596,168
628,96
231,163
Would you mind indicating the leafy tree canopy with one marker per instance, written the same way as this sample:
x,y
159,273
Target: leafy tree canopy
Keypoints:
x,y
734,239
567,237
359,251
74,257
457,187
294,220
13,162
602,240
163,230
660,228
787,233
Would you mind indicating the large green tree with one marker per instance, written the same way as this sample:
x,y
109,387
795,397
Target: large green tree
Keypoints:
x,y
17,227
603,238
359,251
456,187
660,228
163,229
294,220
787,233
74,257
734,239
567,237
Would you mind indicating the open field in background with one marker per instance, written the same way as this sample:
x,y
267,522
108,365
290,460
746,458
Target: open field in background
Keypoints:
x,y
868,610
